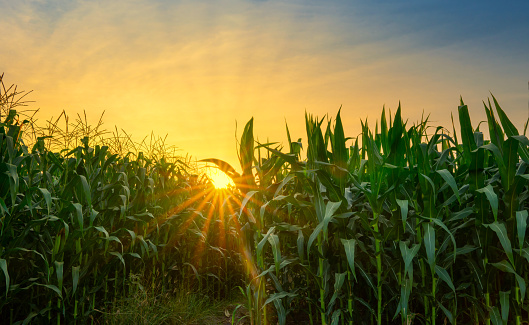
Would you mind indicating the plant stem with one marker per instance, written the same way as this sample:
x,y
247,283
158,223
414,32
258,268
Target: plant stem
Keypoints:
x,y
378,254
322,279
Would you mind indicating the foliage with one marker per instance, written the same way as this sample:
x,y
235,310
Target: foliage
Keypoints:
x,y
406,224
75,224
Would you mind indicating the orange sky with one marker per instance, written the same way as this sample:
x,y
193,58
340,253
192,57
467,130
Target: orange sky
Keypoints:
x,y
193,69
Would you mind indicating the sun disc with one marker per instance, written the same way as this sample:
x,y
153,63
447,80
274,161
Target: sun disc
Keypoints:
x,y
219,179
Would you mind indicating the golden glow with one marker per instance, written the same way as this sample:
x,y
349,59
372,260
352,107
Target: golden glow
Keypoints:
x,y
219,179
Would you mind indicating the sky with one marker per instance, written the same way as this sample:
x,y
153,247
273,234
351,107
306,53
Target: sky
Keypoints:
x,y
197,71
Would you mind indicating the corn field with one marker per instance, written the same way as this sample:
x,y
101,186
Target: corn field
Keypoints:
x,y
76,224
404,224
408,225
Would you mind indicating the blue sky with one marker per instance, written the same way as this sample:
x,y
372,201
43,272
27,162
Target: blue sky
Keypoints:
x,y
193,69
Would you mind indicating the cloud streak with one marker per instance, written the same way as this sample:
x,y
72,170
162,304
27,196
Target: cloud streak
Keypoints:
x,y
191,68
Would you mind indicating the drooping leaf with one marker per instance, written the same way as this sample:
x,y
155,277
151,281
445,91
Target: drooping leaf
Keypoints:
x,y
75,278
501,231
447,313
450,180
429,243
301,244
443,275
349,246
492,197
274,241
408,254
521,226
3,266
59,271
313,237
403,204
504,304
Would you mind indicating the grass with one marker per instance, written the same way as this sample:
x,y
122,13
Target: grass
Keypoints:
x,y
181,306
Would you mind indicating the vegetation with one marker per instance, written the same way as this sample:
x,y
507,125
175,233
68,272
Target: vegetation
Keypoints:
x,y
76,223
405,224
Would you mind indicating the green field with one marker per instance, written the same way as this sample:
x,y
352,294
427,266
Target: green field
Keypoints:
x,y
405,224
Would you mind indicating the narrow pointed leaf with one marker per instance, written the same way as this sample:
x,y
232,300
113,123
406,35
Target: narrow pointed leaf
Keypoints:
x,y
429,243
521,225
349,246
443,275
492,197
504,304
3,266
501,231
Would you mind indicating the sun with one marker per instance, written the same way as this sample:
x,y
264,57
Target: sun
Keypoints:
x,y
219,179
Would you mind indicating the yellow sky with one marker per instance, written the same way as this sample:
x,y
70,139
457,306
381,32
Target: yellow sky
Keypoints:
x,y
193,69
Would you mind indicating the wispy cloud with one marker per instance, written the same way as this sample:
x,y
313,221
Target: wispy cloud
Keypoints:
x,y
191,68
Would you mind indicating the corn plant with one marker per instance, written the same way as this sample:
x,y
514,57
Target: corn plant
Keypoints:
x,y
407,224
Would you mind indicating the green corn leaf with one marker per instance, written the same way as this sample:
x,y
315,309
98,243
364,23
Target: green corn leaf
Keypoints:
x,y
445,228
86,189
3,208
245,201
262,242
443,275
338,284
506,267
313,237
335,319
301,244
403,204
510,160
521,225
339,149
495,316
274,241
28,319
467,136
132,235
285,181
510,129
492,197
224,166
429,243
135,255
77,208
280,309
504,304
12,175
405,291
495,131
75,277
3,266
279,296
449,179
51,287
119,256
102,230
330,209
247,153
408,254
369,282
524,253
447,313
47,198
59,271
349,246
522,285
501,231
